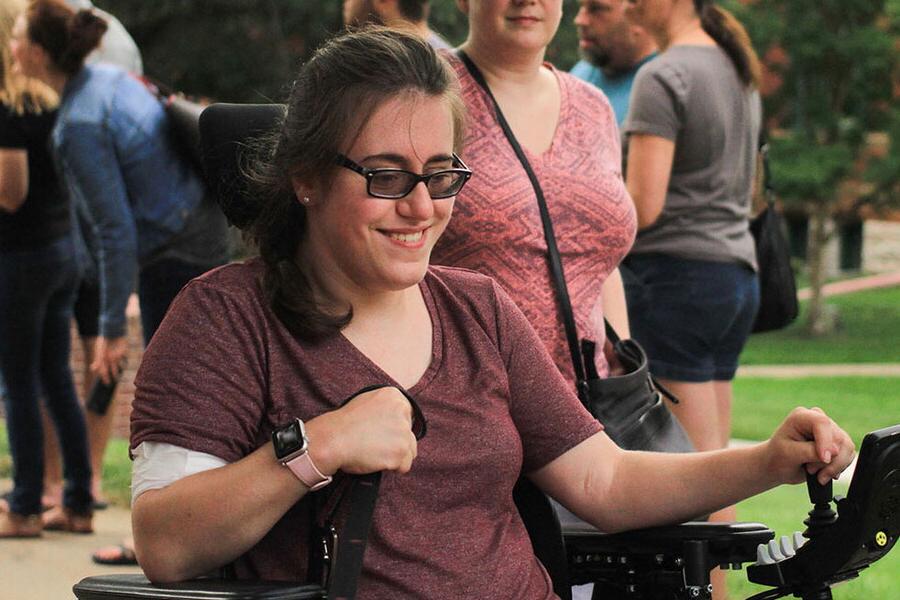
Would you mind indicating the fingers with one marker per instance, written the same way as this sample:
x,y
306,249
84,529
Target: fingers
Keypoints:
x,y
376,429
841,458
824,448
100,366
109,358
823,434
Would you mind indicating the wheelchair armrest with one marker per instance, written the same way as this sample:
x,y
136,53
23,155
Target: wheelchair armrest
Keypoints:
x,y
682,554
133,586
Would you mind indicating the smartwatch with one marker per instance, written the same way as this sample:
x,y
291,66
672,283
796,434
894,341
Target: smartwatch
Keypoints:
x,y
292,450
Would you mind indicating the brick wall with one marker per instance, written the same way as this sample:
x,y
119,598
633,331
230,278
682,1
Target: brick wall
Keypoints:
x,y
121,405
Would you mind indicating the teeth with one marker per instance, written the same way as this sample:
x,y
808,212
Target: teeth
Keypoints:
x,y
406,237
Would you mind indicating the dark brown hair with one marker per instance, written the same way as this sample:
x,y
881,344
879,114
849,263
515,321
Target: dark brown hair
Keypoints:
x,y
335,93
730,35
68,36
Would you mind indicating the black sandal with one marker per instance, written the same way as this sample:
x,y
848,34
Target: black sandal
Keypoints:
x,y
123,555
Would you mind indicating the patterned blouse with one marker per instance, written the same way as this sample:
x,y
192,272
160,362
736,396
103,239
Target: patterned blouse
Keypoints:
x,y
496,226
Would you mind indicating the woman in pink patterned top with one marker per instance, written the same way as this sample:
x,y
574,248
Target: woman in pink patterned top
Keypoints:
x,y
568,131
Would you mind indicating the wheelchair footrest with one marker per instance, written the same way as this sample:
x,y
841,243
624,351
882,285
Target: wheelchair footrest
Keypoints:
x,y
136,587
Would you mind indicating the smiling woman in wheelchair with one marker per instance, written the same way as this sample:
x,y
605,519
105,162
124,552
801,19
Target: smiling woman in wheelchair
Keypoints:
x,y
357,187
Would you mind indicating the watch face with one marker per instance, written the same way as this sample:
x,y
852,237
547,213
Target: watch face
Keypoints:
x,y
288,439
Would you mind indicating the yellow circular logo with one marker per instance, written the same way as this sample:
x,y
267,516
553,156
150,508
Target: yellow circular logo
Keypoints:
x,y
881,538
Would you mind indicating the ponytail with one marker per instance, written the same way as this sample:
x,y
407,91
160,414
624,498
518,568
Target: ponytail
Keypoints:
x,y
67,36
730,35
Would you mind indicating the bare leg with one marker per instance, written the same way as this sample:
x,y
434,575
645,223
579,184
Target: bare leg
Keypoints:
x,y
705,414
98,426
53,483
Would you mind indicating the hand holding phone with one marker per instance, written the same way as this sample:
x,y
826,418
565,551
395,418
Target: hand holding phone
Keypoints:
x,y
101,395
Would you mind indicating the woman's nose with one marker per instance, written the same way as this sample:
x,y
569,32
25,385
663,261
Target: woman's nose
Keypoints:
x,y
417,204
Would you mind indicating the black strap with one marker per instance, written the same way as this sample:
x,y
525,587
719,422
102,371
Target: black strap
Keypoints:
x,y
553,257
361,494
351,544
768,187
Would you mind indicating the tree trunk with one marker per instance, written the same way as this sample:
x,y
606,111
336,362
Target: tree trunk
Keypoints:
x,y
818,322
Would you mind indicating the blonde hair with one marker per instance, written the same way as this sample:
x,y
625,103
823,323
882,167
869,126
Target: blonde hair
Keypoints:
x,y
18,92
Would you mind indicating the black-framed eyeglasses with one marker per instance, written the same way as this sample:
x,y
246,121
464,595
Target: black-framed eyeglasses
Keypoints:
x,y
392,184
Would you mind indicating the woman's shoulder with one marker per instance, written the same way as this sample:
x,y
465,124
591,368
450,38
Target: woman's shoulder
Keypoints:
x,y
462,286
459,278
241,281
588,98
579,88
683,64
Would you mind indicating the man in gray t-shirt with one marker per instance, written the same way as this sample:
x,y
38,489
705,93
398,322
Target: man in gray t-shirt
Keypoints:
x,y
677,97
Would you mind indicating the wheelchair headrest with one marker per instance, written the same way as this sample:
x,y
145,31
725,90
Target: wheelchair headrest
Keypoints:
x,y
226,131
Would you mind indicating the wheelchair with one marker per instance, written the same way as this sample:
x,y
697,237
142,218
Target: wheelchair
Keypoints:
x,y
661,563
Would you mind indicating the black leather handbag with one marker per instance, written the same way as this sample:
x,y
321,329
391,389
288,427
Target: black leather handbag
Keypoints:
x,y
778,306
631,406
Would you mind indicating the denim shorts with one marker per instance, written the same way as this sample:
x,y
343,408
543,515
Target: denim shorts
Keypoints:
x,y
693,317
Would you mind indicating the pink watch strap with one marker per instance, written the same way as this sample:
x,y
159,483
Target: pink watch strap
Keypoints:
x,y
307,473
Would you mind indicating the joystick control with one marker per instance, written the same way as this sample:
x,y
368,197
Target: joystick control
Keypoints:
x,y
844,535
822,515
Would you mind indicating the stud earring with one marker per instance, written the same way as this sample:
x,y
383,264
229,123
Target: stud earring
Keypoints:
x,y
305,200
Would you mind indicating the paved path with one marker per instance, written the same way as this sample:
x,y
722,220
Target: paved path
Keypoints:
x,y
857,284
841,370
47,568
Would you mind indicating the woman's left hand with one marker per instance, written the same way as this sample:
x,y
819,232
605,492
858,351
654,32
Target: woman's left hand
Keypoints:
x,y
808,441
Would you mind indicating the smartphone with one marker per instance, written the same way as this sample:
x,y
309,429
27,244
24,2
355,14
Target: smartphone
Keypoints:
x,y
102,394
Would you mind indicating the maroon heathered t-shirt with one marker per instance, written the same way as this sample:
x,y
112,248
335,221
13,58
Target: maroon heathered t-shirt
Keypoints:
x,y
221,372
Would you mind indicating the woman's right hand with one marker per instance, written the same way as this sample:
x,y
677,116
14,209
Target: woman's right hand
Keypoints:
x,y
372,432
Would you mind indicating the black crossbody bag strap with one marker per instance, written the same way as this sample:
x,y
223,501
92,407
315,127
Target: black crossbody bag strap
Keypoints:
x,y
351,545
360,493
768,187
553,257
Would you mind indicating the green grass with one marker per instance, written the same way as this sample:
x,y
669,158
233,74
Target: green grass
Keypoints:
x,y
783,510
117,473
116,468
869,330
858,404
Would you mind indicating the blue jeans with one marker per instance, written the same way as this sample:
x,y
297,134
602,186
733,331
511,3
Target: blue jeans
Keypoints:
x,y
37,289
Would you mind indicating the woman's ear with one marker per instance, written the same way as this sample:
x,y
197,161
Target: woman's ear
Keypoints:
x,y
463,6
302,191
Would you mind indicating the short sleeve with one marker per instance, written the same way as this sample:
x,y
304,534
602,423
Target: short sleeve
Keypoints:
x,y
12,134
656,100
547,413
202,384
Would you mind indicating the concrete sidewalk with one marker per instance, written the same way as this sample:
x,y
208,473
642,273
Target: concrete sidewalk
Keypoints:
x,y
848,286
46,568
838,370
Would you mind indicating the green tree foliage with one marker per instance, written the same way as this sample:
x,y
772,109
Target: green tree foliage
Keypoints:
x,y
248,50
228,50
837,61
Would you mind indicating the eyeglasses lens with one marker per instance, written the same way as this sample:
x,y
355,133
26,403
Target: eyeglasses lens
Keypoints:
x,y
396,184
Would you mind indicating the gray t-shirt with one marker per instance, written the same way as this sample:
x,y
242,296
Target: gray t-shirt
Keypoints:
x,y
693,96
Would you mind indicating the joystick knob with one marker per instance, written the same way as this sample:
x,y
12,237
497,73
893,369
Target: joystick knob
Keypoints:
x,y
822,515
